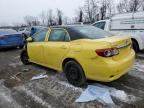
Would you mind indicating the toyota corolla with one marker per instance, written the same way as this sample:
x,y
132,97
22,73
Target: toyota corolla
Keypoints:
x,y
81,52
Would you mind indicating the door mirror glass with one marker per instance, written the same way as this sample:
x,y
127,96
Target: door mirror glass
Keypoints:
x,y
29,39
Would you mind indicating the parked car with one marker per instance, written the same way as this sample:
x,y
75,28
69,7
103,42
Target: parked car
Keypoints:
x,y
29,31
82,52
10,38
129,24
25,32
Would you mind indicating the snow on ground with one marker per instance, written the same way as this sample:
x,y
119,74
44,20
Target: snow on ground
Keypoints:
x,y
6,100
70,86
139,66
14,65
34,97
118,94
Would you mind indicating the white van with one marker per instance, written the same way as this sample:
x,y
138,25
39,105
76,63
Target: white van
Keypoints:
x,y
128,24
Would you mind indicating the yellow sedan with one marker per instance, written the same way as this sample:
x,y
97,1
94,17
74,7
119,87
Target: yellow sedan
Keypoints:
x,y
81,52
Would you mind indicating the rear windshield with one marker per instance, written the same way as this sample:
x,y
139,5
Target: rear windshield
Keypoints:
x,y
7,32
92,32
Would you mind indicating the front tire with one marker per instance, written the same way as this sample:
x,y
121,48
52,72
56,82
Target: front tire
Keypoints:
x,y
24,57
74,74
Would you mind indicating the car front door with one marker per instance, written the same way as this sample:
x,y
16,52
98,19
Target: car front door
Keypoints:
x,y
36,47
56,48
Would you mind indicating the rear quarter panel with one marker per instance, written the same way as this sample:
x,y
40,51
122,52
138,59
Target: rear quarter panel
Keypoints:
x,y
84,53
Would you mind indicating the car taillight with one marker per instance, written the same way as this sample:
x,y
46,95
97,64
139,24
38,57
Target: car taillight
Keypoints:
x,y
109,52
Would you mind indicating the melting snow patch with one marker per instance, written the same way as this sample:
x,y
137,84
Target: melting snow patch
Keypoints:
x,y
139,66
43,75
103,94
119,94
6,98
95,93
70,86
14,65
35,97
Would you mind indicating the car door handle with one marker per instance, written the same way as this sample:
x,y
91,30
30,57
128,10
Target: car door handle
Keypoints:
x,y
63,47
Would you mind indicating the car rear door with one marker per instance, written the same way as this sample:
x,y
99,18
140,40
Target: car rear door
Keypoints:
x,y
56,48
14,39
36,48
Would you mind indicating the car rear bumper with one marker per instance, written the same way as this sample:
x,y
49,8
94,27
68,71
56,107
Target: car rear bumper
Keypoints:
x,y
108,70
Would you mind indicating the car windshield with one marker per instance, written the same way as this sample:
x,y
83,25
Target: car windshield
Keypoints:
x,y
7,32
92,32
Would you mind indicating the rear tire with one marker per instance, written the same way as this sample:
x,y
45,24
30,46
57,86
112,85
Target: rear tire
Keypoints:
x,y
24,57
135,46
21,47
74,74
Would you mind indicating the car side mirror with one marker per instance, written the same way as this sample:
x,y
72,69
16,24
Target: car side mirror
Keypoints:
x,y
29,39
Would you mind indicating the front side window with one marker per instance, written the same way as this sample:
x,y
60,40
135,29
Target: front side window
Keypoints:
x,y
40,36
59,35
100,25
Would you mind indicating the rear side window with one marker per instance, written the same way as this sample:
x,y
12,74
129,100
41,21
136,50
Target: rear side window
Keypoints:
x,y
92,32
59,35
40,36
100,25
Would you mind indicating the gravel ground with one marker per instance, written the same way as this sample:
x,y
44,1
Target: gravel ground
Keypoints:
x,y
18,91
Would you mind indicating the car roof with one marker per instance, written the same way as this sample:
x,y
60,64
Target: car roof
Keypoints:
x,y
68,26
7,32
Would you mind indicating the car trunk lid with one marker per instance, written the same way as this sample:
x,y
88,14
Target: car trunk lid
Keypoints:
x,y
123,44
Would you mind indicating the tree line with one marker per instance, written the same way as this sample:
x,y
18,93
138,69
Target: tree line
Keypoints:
x,y
91,11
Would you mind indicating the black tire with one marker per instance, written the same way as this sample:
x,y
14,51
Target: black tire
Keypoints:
x,y
24,57
75,74
135,46
21,47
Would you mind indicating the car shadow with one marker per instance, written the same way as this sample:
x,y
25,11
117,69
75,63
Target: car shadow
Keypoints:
x,y
8,49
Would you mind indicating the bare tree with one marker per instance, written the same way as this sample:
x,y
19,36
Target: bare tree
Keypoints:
x,y
103,9
80,15
50,18
30,20
98,9
59,16
35,22
43,17
88,10
134,5
142,3
130,6
110,8
106,8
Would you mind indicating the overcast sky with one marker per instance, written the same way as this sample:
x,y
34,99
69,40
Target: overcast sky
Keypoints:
x,y
13,11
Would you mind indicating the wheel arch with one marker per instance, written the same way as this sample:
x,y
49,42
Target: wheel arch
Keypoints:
x,y
69,59
133,39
